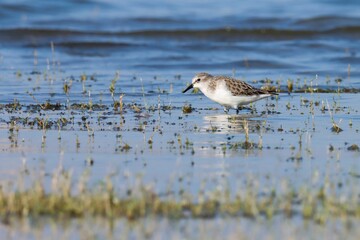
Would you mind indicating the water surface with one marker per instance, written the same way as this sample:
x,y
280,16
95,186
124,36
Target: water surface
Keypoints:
x,y
152,50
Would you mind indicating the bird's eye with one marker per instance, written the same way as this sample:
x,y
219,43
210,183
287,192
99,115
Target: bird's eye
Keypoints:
x,y
198,80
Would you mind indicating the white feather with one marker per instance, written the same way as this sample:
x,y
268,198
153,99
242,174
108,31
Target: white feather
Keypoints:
x,y
223,96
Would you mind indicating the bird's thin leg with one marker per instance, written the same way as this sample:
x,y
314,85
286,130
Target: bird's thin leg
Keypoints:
x,y
238,110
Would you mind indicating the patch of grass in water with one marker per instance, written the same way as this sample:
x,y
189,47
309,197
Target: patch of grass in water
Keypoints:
x,y
186,109
354,147
318,204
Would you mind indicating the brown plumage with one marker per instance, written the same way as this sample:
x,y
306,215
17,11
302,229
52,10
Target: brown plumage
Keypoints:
x,y
227,91
236,87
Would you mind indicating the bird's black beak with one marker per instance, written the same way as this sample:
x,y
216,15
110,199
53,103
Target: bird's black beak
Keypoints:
x,y
187,89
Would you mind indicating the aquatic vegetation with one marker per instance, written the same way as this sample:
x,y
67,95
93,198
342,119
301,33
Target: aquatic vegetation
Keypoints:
x,y
335,126
187,109
140,201
121,104
150,124
112,88
89,154
83,79
354,147
66,89
290,85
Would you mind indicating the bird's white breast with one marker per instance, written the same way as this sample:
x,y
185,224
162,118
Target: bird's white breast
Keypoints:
x,y
223,96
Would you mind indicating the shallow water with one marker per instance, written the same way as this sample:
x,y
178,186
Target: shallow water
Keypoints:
x,y
154,228
152,50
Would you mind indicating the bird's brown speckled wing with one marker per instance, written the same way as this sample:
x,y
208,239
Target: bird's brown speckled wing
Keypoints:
x,y
238,87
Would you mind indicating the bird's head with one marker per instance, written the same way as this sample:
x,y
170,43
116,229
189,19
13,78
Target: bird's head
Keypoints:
x,y
200,80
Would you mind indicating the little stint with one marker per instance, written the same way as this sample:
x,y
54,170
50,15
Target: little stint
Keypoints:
x,y
227,91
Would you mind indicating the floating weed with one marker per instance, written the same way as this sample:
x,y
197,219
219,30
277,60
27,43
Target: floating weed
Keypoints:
x,y
125,148
87,106
335,127
270,88
14,106
49,106
186,109
354,147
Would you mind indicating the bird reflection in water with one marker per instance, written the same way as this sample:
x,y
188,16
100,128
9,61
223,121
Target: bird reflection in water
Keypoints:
x,y
233,123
